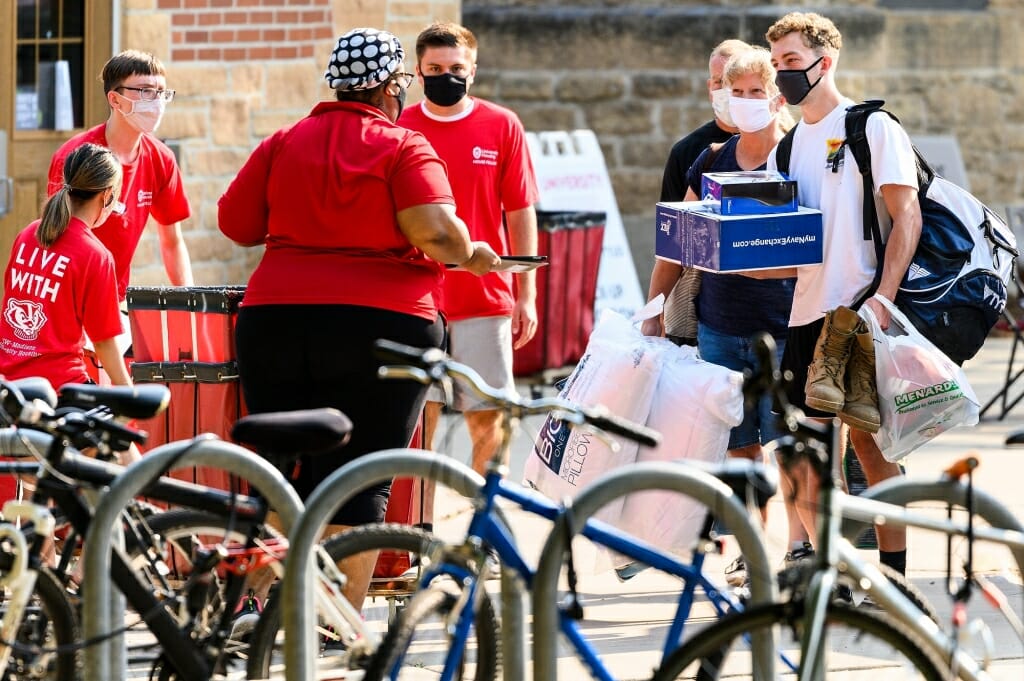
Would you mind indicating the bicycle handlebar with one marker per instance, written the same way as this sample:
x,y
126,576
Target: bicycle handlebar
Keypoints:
x,y
432,365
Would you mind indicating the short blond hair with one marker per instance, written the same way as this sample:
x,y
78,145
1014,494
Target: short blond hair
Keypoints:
x,y
727,48
758,61
816,31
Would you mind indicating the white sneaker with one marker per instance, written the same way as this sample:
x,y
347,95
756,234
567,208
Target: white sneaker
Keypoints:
x,y
736,572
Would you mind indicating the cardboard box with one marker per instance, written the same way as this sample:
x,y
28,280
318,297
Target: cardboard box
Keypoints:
x,y
729,243
753,192
667,233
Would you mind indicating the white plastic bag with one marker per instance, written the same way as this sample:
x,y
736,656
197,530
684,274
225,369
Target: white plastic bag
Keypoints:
x,y
921,392
696,404
619,370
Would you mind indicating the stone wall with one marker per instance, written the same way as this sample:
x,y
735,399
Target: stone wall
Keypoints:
x,y
242,69
634,72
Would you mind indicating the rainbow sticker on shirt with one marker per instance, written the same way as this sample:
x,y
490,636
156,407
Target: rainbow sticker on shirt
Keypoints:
x,y
834,159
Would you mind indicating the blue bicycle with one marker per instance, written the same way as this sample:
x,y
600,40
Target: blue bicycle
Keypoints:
x,y
446,607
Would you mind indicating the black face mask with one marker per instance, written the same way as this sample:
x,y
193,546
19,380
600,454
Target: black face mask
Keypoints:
x,y
444,90
401,101
794,84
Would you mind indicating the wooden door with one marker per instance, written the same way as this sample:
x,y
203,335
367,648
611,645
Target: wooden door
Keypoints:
x,y
34,34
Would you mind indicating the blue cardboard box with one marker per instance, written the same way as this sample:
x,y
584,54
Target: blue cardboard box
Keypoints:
x,y
750,192
728,243
667,235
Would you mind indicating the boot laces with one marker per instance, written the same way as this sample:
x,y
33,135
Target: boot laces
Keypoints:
x,y
861,373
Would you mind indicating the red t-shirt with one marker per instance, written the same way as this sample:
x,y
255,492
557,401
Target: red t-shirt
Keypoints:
x,y
322,195
490,170
152,186
51,296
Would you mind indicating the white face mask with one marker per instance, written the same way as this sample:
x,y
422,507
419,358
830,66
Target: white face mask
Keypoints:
x,y
751,115
144,115
720,103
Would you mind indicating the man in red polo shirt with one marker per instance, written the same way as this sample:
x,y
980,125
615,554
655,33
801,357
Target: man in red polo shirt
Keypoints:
x,y
492,177
136,88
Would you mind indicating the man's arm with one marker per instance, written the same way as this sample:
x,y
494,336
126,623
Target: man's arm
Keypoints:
x,y
522,232
175,255
902,204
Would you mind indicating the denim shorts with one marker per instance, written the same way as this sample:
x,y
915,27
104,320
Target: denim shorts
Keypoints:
x,y
737,353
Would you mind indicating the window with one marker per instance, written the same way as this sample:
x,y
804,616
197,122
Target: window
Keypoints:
x,y
50,58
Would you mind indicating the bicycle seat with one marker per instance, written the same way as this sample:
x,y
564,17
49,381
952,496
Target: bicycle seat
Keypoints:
x,y
743,477
130,401
36,388
291,434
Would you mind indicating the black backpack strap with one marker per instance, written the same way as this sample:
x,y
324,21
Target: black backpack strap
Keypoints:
x,y
857,142
784,151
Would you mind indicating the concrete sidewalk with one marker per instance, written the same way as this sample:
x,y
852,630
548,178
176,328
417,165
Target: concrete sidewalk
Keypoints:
x,y
627,622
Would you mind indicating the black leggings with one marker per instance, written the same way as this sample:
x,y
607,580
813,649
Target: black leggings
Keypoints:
x,y
308,356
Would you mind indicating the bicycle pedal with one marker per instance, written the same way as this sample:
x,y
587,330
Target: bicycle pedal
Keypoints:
x,y
572,609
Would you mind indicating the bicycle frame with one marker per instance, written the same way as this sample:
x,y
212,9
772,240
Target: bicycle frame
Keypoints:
x,y
183,653
484,527
836,550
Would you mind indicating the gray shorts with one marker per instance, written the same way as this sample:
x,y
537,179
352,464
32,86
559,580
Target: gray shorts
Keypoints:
x,y
484,343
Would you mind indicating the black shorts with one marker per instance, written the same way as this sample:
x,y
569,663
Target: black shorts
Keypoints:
x,y
796,358
309,356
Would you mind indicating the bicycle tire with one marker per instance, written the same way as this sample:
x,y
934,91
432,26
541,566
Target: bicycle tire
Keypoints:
x,y
434,601
706,656
176,528
46,642
357,540
910,592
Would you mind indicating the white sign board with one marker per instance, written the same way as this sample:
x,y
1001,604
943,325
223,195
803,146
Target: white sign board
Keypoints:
x,y
572,176
943,155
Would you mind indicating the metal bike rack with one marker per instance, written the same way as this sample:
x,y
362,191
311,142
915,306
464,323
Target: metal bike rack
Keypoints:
x,y
692,480
297,586
902,491
99,608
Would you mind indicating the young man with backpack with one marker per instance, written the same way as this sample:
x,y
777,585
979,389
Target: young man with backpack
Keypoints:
x,y
829,350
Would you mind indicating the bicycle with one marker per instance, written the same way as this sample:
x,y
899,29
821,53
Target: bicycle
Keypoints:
x,y
914,644
453,593
192,623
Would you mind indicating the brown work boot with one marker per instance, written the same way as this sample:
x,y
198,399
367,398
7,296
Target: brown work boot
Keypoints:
x,y
861,408
824,389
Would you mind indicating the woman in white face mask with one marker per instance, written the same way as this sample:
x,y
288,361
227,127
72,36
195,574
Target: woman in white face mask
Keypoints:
x,y
730,307
756,107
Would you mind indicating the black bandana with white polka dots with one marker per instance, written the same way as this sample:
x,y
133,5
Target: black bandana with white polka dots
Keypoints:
x,y
363,58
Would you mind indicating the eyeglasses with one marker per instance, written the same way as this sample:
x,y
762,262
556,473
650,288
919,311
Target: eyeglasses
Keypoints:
x,y
119,207
403,79
148,94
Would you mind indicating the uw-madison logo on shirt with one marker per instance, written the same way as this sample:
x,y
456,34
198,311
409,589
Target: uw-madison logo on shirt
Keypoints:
x,y
485,157
25,317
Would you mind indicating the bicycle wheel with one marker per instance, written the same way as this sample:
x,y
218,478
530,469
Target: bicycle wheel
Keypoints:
x,y
421,634
389,594
45,644
180,533
856,643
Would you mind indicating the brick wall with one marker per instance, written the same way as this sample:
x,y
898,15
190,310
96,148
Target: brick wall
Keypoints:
x,y
236,30
243,69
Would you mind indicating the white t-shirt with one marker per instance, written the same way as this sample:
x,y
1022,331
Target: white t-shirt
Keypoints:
x,y
849,262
